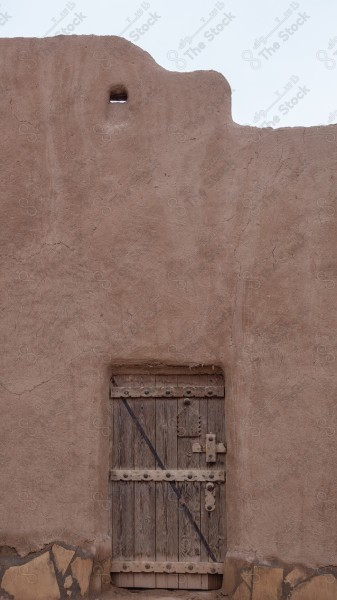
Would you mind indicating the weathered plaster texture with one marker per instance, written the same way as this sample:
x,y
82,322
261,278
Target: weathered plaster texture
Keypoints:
x,y
159,230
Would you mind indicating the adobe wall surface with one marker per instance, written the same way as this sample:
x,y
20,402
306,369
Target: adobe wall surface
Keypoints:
x,y
159,230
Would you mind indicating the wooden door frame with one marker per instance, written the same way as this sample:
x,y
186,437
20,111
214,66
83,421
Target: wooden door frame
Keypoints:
x,y
163,369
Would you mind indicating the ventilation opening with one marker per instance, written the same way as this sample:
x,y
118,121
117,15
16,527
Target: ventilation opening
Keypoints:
x,y
118,95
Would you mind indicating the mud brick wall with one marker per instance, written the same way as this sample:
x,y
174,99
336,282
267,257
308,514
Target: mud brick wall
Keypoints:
x,y
160,231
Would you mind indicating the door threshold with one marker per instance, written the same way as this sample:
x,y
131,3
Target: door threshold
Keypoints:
x,y
137,594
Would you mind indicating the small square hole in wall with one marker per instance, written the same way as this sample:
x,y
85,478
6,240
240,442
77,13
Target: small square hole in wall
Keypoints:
x,y
118,95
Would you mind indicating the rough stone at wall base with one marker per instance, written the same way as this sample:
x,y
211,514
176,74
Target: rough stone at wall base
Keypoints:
x,y
247,576
267,583
81,569
322,587
296,576
35,580
232,572
244,581
68,582
242,592
62,557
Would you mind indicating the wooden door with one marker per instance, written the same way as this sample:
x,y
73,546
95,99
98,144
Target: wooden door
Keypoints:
x,y
168,481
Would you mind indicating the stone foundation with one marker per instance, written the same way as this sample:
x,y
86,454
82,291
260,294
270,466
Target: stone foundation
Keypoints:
x,y
61,571
244,581
56,572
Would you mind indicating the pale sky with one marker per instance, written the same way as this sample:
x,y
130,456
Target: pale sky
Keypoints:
x,y
279,57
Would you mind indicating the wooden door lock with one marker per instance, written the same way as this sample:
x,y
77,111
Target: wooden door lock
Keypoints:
x,y
211,448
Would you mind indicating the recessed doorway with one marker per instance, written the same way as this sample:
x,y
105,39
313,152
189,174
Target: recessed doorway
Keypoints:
x,y
168,478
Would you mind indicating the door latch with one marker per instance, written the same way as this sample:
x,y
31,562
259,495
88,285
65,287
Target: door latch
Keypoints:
x,y
211,448
210,497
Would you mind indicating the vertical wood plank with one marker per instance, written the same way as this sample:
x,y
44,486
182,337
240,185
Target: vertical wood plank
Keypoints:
x,y
204,515
189,541
144,504
217,518
122,492
166,501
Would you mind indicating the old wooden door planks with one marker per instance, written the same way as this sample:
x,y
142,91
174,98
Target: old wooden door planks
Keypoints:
x,y
148,521
213,523
123,529
166,500
189,541
145,493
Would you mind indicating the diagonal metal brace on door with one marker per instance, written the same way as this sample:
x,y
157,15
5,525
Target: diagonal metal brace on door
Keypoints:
x,y
175,488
